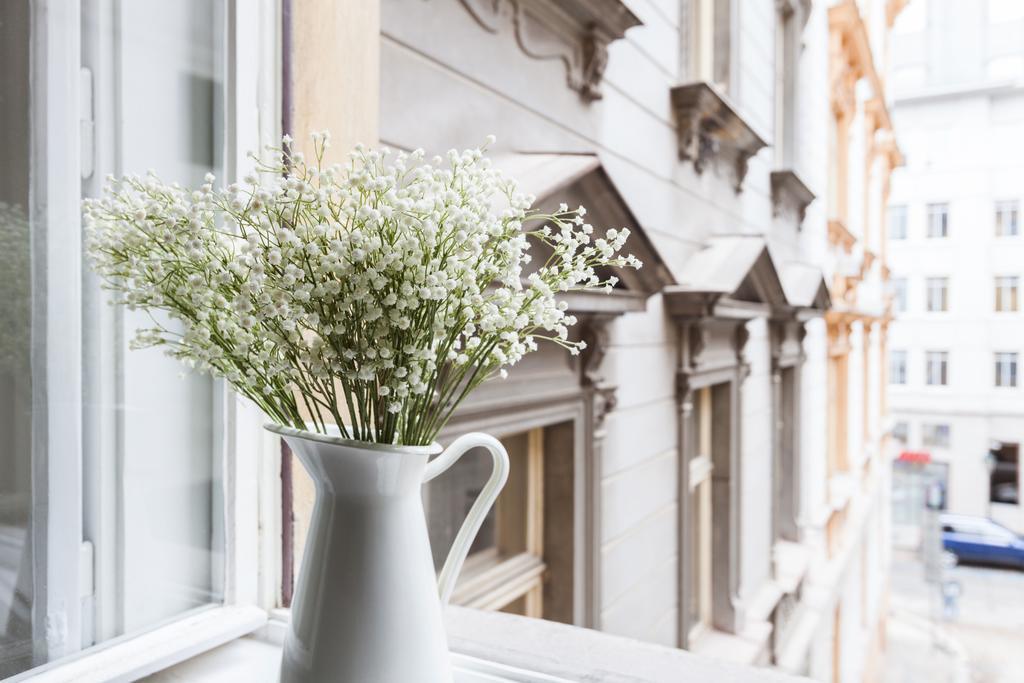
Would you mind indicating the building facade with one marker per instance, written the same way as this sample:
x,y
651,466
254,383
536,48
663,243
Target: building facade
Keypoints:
x,y
710,475
955,248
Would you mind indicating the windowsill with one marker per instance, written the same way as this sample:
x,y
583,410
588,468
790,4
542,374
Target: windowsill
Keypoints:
x,y
142,655
511,648
744,648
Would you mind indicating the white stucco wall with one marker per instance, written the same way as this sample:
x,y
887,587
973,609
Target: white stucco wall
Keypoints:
x,y
446,82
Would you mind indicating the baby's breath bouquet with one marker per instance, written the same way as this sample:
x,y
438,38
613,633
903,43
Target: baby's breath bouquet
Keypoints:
x,y
373,296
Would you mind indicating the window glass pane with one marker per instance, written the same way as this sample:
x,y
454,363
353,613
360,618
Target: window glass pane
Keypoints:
x,y
1006,293
137,427
938,220
1006,218
937,289
17,587
151,504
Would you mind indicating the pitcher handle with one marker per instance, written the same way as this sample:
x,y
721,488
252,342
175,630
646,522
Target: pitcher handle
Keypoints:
x,y
482,505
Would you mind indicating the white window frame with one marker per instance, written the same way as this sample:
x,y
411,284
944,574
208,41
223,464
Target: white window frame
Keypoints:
x,y
898,367
940,285
1007,218
1006,363
1007,291
941,361
938,211
247,453
701,468
930,430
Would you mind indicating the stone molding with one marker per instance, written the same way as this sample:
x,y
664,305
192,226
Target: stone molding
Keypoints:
x,y
710,128
575,32
790,195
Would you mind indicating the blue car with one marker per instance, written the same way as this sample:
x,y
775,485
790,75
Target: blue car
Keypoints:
x,y
977,540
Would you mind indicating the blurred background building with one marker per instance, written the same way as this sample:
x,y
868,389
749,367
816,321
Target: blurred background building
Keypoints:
x,y
956,251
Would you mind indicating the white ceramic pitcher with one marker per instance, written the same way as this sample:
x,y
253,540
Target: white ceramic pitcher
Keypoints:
x,y
367,608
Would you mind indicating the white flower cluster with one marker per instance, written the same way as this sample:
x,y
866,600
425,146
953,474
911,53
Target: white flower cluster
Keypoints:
x,y
373,295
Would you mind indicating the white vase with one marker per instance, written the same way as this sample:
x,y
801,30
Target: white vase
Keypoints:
x,y
367,606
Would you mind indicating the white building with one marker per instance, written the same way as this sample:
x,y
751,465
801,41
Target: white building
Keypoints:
x,y
956,248
710,475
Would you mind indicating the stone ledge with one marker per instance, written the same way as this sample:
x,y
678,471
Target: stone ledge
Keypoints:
x,y
586,655
710,128
790,194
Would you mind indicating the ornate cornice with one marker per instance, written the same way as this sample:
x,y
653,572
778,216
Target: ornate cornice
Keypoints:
x,y
850,59
790,192
840,236
709,127
574,32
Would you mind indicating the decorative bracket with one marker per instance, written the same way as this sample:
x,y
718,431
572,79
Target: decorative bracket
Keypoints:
x,y
710,128
789,192
594,330
574,32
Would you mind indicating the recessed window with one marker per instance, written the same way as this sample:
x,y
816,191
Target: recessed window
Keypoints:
x,y
897,222
937,292
1004,476
935,435
937,368
1006,219
938,220
898,367
898,289
1006,369
1006,293
699,588
710,52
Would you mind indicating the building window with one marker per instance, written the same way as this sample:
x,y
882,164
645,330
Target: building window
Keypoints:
x,y
1006,219
937,368
786,465
898,289
1006,293
700,470
937,293
898,367
710,56
901,431
897,222
123,449
936,435
938,220
787,53
1006,369
1004,474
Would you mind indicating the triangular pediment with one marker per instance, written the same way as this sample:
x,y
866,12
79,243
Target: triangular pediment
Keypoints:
x,y
577,179
806,287
734,272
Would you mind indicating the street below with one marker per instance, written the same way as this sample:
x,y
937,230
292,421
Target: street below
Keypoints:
x,y
980,640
